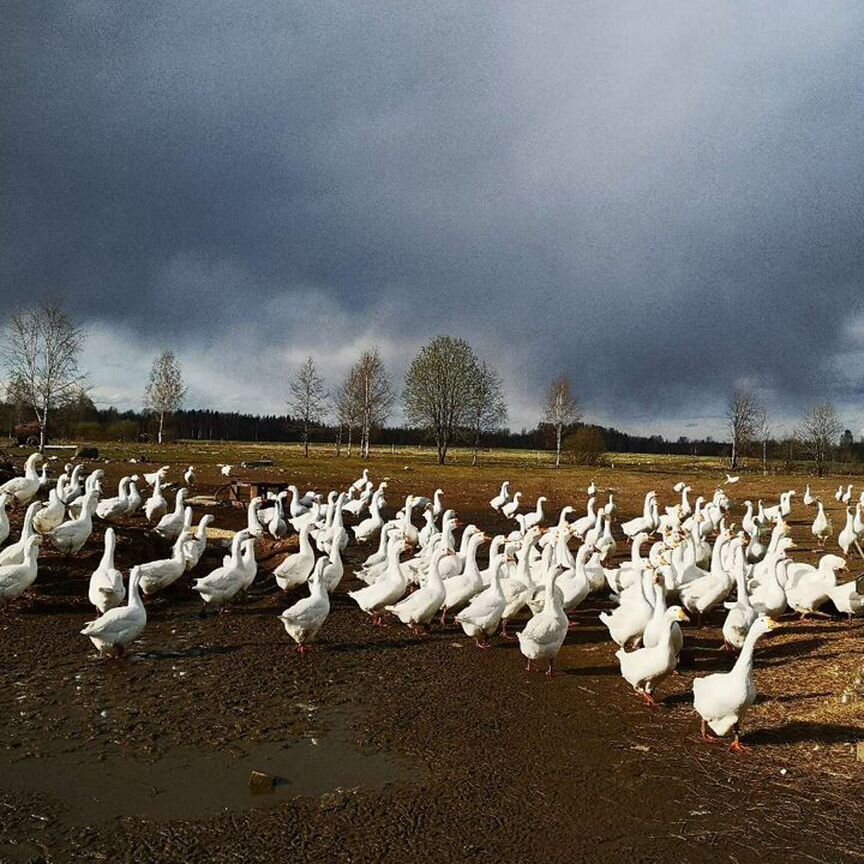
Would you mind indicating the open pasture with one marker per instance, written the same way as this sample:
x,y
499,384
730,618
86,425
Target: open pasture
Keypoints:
x,y
423,744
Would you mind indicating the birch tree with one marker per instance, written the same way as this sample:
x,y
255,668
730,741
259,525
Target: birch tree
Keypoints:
x,y
165,391
742,417
369,396
40,353
818,433
763,430
307,399
560,411
346,410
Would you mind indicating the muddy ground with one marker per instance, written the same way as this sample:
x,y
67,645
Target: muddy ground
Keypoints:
x,y
396,748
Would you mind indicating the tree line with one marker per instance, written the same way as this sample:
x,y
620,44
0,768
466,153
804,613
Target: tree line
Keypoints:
x,y
450,396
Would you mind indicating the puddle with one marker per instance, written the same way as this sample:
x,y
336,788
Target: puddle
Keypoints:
x,y
187,783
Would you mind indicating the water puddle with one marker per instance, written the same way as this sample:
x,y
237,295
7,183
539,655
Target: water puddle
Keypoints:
x,y
187,783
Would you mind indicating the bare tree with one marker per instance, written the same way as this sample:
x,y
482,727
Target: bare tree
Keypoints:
x,y
346,409
487,409
307,399
762,428
40,353
165,390
560,411
439,388
818,433
368,397
741,418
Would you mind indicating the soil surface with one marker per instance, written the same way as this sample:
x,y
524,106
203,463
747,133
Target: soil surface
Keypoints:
x,y
390,747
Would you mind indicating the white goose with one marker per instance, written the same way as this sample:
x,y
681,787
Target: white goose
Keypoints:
x,y
51,515
253,525
195,544
171,525
367,528
585,523
388,589
848,598
334,569
821,528
645,668
158,575
117,627
16,578
535,518
417,609
156,506
189,477
502,498
459,589
156,476
4,517
106,589
296,568
511,508
722,699
519,588
848,535
741,614
111,508
134,500
304,619
480,618
71,536
360,484
544,634
22,489
221,585
808,588
628,621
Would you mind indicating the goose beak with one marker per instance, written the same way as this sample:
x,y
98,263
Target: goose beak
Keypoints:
x,y
683,616
772,624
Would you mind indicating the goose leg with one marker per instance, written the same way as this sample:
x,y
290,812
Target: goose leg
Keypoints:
x,y
504,634
550,672
736,746
706,736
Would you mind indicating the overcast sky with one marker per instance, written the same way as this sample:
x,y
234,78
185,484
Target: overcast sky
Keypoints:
x,y
661,200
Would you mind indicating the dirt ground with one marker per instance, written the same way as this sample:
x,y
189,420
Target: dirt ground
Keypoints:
x,y
396,748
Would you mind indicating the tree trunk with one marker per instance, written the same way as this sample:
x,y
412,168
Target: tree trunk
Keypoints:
x,y
734,459
43,428
350,430
306,442
765,456
558,447
161,423
339,440
442,454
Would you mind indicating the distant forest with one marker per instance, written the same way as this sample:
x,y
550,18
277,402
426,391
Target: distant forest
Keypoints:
x,y
84,421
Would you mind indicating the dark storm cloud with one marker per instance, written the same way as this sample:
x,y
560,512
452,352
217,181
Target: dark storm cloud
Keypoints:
x,y
662,200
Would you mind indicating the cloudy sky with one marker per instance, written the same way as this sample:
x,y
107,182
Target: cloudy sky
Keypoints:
x,y
661,200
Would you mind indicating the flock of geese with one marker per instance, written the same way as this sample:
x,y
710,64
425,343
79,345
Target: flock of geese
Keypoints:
x,y
684,562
